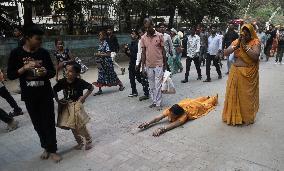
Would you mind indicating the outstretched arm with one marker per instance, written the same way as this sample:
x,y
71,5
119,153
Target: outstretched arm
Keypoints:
x,y
147,124
171,126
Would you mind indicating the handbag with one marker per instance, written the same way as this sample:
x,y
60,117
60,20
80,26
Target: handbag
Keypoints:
x,y
167,84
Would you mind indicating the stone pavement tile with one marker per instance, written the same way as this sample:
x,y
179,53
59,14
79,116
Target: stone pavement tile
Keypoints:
x,y
98,154
143,168
141,163
123,167
229,163
115,161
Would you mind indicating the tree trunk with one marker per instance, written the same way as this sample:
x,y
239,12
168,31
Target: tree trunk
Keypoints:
x,y
69,10
172,15
28,12
128,21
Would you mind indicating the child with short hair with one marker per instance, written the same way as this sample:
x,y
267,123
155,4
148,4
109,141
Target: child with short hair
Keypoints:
x,y
71,114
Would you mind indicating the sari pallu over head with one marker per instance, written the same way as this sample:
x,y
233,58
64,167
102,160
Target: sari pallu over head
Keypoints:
x,y
242,91
241,53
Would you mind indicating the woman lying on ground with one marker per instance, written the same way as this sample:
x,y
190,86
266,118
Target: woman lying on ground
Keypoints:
x,y
185,110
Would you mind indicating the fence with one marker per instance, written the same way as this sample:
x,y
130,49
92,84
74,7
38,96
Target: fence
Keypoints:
x,y
83,46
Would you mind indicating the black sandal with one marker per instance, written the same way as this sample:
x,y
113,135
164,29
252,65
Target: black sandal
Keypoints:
x,y
121,88
98,93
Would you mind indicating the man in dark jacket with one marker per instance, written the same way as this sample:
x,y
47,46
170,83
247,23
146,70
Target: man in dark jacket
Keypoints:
x,y
229,37
114,48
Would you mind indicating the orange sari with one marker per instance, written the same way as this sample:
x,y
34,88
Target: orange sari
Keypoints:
x,y
194,108
242,92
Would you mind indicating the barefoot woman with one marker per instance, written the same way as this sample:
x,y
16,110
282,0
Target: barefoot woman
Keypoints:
x,y
242,94
185,110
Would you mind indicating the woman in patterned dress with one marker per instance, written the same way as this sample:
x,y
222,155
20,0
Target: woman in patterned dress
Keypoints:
x,y
175,61
107,75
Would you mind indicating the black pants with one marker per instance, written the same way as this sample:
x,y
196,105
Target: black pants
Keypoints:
x,y
280,52
41,111
132,75
197,66
267,50
203,54
5,117
143,80
4,93
215,63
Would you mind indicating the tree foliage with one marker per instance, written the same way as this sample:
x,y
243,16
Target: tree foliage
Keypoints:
x,y
260,10
190,10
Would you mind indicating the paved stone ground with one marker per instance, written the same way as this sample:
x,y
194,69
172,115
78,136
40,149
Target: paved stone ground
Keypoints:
x,y
203,144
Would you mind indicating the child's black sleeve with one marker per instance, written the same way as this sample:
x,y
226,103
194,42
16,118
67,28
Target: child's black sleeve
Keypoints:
x,y
58,86
86,85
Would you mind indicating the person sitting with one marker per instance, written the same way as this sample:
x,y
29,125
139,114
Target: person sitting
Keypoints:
x,y
185,110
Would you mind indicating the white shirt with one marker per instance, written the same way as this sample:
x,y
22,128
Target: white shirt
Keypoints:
x,y
214,44
193,45
168,44
139,53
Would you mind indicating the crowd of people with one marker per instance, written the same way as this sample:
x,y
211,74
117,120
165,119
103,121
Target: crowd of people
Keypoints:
x,y
152,51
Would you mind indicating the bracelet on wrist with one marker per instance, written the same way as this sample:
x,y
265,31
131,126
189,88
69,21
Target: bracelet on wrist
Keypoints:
x,y
248,49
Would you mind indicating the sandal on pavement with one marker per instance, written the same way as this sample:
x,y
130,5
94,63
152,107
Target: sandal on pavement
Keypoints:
x,y
121,88
98,93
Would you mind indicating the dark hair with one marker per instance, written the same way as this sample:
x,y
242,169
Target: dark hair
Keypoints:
x,y
245,28
150,20
136,32
110,28
177,110
19,28
104,33
75,66
57,40
31,30
162,24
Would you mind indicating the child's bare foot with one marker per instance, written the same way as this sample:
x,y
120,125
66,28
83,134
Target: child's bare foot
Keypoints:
x,y
44,155
88,146
78,146
55,157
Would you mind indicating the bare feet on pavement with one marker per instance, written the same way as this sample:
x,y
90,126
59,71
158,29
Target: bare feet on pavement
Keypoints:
x,y
55,157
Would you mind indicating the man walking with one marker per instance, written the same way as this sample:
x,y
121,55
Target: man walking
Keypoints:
x,y
154,58
229,37
214,47
167,42
203,45
193,51
280,49
271,34
114,48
